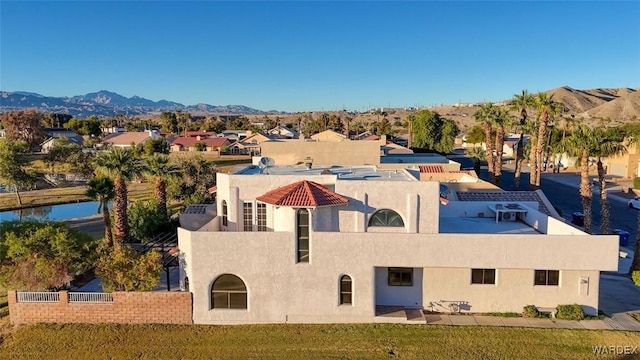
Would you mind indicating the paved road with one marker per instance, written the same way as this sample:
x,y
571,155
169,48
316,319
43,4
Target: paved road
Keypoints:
x,y
93,225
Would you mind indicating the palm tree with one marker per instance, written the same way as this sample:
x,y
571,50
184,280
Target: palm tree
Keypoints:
x,y
158,167
485,116
101,189
477,154
547,108
122,166
501,118
582,143
520,103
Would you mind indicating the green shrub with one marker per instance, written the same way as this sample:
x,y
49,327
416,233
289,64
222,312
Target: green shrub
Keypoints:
x,y
122,269
530,311
635,276
570,312
636,183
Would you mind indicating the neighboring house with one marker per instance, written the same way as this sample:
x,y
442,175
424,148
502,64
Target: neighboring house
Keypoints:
x,y
329,135
235,135
127,139
331,244
59,133
250,144
626,165
113,130
189,143
284,132
388,147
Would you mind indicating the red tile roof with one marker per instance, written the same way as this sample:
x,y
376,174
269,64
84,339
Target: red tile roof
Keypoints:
x,y
372,137
431,169
303,194
212,189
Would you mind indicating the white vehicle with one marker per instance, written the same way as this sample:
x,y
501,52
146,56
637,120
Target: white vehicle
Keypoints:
x,y
634,203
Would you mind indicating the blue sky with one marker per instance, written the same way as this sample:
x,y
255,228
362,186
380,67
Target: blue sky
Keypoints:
x,y
297,56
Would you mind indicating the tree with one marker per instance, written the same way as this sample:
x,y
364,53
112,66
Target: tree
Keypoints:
x,y
582,143
431,132
609,142
89,126
501,118
547,108
159,167
124,270
42,255
152,146
169,122
485,116
13,163
60,153
520,103
475,135
23,125
101,189
200,146
197,176
477,154
122,166
145,218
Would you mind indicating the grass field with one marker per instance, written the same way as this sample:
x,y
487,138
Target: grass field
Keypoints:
x,y
366,341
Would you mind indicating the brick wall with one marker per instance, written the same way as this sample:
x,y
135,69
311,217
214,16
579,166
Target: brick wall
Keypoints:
x,y
126,308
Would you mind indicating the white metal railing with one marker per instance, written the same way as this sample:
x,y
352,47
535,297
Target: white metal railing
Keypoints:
x,y
89,297
38,297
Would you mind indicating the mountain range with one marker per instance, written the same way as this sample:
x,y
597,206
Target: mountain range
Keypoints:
x,y
108,103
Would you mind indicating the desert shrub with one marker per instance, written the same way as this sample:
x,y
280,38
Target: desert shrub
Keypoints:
x,y
570,312
42,255
635,276
636,183
530,311
122,269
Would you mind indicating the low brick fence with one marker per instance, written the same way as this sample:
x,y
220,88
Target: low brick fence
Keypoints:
x,y
93,308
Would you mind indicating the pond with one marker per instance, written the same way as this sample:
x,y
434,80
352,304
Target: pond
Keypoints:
x,y
53,212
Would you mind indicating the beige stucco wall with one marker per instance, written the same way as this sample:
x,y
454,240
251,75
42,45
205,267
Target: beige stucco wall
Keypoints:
x,y
290,152
513,290
629,159
281,290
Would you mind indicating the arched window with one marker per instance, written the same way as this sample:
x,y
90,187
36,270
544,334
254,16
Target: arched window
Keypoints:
x,y
225,221
228,292
302,223
386,217
345,289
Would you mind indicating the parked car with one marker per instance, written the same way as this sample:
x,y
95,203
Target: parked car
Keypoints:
x,y
634,203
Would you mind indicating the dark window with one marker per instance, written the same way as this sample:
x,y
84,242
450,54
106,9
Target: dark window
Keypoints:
x,y
248,216
483,276
302,220
261,216
225,221
345,289
228,292
547,277
386,217
400,277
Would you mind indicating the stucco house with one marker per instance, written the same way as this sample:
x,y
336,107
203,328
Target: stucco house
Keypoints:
x,y
183,143
250,144
329,243
127,139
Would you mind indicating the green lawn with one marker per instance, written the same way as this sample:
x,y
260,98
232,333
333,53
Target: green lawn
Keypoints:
x,y
305,341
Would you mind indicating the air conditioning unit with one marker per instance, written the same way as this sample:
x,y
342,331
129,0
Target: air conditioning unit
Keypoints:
x,y
508,216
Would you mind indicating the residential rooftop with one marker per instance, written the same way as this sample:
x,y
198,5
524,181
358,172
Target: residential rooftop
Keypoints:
x,y
342,172
486,225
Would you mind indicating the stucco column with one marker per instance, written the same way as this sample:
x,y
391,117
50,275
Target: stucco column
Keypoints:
x,y
234,209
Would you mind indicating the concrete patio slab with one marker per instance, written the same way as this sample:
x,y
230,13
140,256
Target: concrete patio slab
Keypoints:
x,y
595,325
568,324
515,322
489,320
438,319
540,323
463,320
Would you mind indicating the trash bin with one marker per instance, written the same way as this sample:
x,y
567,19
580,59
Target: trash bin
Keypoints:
x,y
624,236
577,218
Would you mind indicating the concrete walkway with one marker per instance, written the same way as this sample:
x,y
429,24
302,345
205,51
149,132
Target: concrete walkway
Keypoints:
x,y
475,320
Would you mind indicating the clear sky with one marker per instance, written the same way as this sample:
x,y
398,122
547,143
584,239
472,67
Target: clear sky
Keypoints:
x,y
296,56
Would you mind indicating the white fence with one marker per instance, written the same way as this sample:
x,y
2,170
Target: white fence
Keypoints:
x,y
86,297
74,297
38,297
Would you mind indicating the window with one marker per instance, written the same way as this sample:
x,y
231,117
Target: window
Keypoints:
x,y
302,223
228,292
400,277
547,277
225,221
345,289
483,276
386,217
247,216
261,216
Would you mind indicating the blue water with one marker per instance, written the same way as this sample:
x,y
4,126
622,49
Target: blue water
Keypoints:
x,y
53,212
